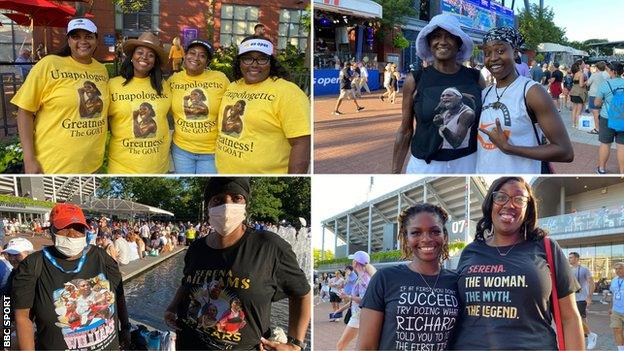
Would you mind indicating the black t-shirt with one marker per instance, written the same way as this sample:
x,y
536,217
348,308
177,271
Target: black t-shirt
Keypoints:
x,y
345,78
414,319
72,310
231,290
427,144
558,76
506,299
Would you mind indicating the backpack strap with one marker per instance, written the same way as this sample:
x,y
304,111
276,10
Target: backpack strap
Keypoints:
x,y
531,114
486,94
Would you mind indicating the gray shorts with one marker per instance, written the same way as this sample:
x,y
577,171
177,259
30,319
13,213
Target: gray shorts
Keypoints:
x,y
346,93
606,135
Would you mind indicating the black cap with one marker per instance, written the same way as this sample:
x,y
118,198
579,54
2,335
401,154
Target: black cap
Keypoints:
x,y
223,185
203,43
615,66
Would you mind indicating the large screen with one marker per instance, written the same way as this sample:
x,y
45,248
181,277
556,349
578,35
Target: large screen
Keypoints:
x,y
479,14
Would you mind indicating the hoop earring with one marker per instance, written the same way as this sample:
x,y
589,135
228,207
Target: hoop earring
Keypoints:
x,y
487,234
525,231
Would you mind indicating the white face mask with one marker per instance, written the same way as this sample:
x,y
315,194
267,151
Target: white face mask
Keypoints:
x,y
226,218
69,246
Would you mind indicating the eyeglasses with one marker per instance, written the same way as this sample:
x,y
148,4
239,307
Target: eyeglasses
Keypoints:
x,y
248,60
500,198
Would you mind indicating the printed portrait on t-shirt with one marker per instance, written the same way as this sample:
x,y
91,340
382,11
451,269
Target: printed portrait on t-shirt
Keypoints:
x,y
233,118
91,104
85,309
208,305
457,116
195,107
144,124
232,320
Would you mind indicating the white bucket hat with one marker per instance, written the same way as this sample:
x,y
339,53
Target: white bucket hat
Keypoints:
x,y
450,24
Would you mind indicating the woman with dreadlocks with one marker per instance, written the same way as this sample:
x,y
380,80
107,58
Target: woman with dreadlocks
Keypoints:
x,y
413,306
505,284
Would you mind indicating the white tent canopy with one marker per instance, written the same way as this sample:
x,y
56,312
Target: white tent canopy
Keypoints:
x,y
552,47
120,206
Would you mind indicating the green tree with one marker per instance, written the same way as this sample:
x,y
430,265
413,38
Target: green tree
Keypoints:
x,y
272,198
537,26
316,254
395,13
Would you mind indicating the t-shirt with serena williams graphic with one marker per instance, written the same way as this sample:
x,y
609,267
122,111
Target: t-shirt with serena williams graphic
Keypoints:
x,y
508,289
434,109
140,139
230,290
255,123
414,317
70,101
73,311
195,102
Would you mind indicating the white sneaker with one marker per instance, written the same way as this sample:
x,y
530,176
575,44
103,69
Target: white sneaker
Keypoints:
x,y
591,340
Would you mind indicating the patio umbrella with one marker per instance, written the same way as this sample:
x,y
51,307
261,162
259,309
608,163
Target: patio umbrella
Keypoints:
x,y
51,19
41,13
33,7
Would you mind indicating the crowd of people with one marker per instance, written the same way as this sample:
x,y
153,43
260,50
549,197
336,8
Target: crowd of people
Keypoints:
x,y
233,271
512,277
460,117
259,123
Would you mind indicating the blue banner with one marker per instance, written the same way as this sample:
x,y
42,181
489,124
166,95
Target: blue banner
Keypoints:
x,y
326,81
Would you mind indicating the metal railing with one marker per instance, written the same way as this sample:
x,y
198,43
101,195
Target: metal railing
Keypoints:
x,y
599,219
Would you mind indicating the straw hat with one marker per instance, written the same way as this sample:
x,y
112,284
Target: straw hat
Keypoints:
x,y
149,40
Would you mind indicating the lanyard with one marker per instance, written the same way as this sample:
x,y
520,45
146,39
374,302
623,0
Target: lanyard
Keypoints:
x,y
52,260
620,281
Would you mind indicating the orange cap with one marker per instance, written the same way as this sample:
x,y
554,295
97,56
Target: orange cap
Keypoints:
x,y
64,215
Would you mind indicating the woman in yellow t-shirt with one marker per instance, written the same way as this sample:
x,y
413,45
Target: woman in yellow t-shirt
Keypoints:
x,y
62,107
264,120
176,54
195,98
140,139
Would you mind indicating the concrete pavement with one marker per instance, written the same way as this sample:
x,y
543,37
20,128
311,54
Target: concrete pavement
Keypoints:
x,y
362,142
326,334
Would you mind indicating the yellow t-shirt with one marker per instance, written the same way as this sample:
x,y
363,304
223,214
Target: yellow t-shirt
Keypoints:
x,y
195,104
70,101
140,139
255,123
176,52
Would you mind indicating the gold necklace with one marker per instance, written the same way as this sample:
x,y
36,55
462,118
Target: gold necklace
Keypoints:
x,y
508,251
423,278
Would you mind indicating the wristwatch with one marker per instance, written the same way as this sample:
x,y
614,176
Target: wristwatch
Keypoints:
x,y
296,342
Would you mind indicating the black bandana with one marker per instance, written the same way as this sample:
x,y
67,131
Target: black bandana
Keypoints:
x,y
505,34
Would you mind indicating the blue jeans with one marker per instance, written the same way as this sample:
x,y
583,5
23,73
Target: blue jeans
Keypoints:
x,y
191,163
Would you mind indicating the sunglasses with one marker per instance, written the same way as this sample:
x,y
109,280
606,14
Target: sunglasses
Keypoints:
x,y
500,198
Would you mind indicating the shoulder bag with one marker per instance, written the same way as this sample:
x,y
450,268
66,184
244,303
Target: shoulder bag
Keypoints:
x,y
554,295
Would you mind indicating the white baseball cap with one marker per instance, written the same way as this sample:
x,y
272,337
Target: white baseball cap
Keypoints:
x,y
81,23
360,257
18,245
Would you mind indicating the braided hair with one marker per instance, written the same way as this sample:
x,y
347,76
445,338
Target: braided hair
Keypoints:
x,y
407,214
533,232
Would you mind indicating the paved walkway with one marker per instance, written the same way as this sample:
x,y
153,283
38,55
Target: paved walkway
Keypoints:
x,y
326,334
363,142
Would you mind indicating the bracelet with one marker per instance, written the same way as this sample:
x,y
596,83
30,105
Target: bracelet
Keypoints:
x,y
296,342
